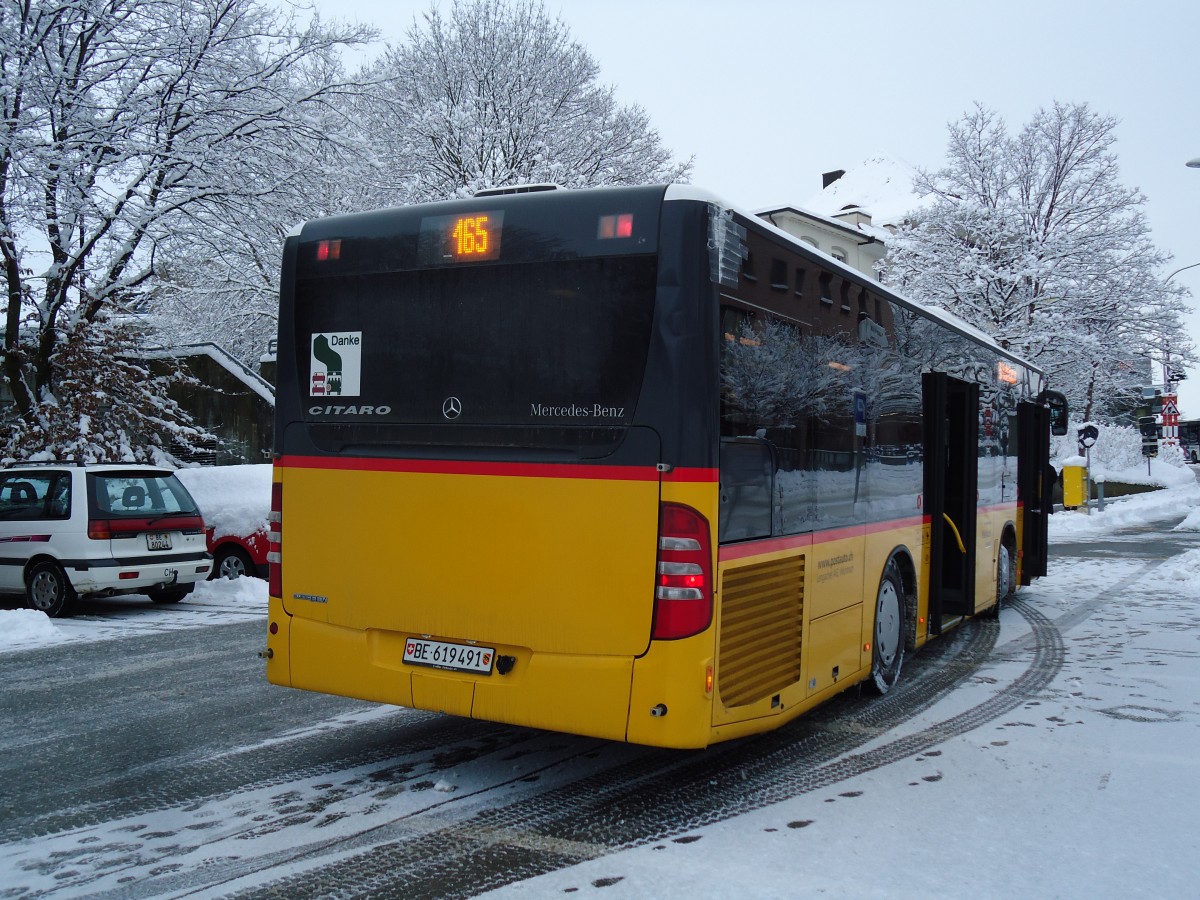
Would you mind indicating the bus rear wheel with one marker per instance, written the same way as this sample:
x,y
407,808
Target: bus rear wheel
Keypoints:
x,y
887,649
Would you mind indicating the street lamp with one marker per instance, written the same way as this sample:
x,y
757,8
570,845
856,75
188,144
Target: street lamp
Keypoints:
x,y
1194,163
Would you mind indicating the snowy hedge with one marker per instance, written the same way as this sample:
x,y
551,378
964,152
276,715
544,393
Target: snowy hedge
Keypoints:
x,y
1117,456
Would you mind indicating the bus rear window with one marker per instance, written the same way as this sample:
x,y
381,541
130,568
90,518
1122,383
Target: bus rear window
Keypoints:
x,y
551,345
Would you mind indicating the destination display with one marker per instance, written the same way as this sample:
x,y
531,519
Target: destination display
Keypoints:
x,y
462,238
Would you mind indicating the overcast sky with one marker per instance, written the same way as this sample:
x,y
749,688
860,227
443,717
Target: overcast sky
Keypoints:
x,y
768,94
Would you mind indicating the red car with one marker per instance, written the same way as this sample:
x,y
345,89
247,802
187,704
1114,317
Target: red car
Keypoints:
x,y
235,555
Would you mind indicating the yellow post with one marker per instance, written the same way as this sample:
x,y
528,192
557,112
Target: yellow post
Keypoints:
x,y
1072,483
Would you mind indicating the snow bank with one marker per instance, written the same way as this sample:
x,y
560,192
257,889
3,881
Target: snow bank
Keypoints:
x,y
233,499
1126,512
1157,474
231,592
211,603
1191,523
21,628
1185,567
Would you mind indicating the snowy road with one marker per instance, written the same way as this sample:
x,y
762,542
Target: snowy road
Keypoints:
x,y
168,766
159,763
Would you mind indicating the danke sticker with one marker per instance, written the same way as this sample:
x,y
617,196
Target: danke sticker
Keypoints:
x,y
335,364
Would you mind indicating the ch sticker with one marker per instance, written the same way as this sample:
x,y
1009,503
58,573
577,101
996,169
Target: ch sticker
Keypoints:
x,y
335,364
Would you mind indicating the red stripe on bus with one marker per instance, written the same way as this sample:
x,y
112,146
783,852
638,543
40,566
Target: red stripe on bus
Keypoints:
x,y
792,542
693,476
512,470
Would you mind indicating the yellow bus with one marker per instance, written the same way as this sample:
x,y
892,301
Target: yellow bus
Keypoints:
x,y
629,463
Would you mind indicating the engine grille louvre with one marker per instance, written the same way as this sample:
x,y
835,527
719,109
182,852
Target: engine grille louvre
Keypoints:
x,y
762,613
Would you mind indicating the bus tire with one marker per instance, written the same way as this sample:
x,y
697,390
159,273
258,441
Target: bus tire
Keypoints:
x,y
1004,580
887,647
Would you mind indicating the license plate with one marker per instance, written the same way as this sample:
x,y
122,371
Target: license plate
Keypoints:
x,y
456,657
158,542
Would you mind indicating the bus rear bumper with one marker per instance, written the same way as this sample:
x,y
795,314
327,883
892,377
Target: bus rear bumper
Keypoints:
x,y
586,695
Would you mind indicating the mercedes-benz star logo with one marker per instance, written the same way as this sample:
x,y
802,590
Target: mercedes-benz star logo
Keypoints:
x,y
452,408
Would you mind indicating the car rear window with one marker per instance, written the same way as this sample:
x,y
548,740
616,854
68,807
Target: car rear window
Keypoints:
x,y
138,494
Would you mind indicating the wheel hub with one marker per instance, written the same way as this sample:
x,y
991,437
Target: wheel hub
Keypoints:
x,y
887,623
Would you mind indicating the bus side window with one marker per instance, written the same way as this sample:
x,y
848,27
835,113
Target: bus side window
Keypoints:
x,y
747,488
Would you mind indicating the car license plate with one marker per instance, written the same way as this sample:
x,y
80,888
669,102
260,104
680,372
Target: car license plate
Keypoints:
x,y
158,542
456,657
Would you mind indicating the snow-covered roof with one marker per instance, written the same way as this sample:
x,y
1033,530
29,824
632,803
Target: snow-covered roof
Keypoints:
x,y
247,376
858,230
881,186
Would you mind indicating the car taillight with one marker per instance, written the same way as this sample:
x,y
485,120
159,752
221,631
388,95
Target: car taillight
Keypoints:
x,y
683,588
101,529
275,540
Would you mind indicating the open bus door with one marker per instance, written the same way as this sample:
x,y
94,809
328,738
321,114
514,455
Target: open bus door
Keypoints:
x,y
951,414
1035,477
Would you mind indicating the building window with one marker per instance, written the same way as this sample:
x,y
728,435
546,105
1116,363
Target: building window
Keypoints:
x,y
779,275
827,288
734,322
748,267
845,293
838,253
800,274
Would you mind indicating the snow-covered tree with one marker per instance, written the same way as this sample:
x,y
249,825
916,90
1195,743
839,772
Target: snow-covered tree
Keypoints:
x,y
220,280
1033,238
131,127
499,93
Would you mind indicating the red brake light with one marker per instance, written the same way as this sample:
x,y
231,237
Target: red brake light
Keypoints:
x,y
275,542
683,587
100,529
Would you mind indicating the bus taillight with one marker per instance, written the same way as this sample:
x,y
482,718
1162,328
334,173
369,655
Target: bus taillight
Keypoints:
x,y
275,539
683,590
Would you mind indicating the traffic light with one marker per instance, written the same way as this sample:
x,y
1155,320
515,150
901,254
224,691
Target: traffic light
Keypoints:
x,y
1149,427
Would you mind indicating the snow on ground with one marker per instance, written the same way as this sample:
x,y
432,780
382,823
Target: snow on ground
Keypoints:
x,y
211,603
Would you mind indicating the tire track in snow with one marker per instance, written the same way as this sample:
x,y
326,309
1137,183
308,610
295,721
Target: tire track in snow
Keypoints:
x,y
664,793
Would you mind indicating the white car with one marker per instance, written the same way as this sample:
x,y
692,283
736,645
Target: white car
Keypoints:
x,y
70,530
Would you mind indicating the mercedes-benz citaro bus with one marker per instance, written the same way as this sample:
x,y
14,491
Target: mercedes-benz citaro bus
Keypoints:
x,y
629,463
